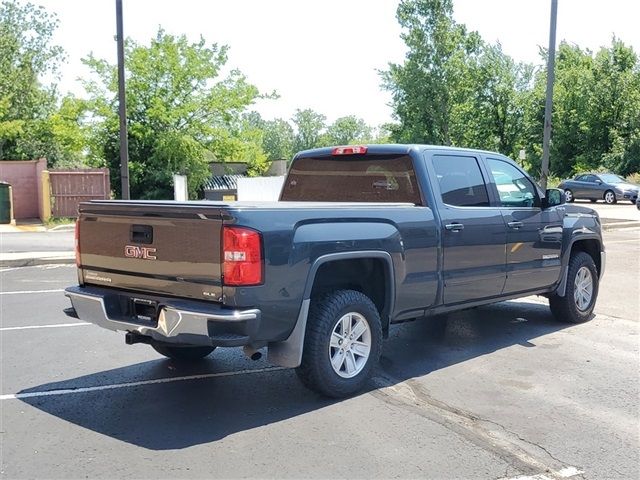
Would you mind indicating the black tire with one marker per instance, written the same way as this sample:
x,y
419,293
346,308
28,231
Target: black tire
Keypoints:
x,y
609,199
190,354
316,371
565,309
568,196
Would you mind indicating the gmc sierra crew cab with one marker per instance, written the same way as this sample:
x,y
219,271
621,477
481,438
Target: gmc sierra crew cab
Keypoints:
x,y
361,238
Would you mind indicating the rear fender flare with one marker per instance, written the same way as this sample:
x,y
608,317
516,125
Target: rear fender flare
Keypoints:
x,y
562,287
288,353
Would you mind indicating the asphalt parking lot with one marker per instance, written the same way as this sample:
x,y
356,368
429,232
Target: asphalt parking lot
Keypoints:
x,y
495,392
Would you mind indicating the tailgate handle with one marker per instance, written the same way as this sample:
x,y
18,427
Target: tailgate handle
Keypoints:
x,y
142,234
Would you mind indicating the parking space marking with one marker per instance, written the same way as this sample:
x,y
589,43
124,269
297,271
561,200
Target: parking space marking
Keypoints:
x,y
113,386
26,292
633,240
55,325
41,267
566,472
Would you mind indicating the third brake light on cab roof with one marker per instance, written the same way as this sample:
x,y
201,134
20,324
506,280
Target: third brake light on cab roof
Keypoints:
x,y
349,150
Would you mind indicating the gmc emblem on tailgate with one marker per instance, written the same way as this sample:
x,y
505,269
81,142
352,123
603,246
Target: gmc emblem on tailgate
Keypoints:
x,y
145,253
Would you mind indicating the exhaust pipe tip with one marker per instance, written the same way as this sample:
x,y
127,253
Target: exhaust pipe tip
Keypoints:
x,y
252,352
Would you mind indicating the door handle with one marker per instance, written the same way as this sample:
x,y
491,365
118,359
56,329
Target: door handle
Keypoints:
x,y
515,225
454,227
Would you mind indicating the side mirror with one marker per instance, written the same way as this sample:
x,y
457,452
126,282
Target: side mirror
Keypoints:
x,y
553,197
599,182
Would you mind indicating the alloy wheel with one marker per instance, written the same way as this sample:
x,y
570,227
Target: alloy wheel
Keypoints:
x,y
609,197
568,196
350,345
583,289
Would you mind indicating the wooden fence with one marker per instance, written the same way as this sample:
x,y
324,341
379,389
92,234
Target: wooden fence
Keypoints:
x,y
70,187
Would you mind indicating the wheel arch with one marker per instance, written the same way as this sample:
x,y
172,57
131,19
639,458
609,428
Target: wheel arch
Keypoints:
x,y
348,266
592,246
288,353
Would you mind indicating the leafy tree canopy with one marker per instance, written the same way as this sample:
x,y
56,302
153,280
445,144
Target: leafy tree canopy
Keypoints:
x,y
181,113
455,89
33,123
348,130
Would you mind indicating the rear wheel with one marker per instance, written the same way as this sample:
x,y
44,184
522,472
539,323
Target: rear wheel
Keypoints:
x,y
342,343
183,353
568,196
609,197
582,290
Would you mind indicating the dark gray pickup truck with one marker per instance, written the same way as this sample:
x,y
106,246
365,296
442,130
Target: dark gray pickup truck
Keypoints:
x,y
362,237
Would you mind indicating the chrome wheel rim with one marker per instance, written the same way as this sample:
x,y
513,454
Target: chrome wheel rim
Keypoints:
x,y
608,197
583,289
568,196
350,345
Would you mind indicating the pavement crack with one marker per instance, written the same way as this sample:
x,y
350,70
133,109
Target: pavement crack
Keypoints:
x,y
522,439
527,457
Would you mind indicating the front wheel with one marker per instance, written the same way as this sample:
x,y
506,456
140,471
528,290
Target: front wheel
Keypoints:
x,y
343,342
183,353
568,196
582,290
609,197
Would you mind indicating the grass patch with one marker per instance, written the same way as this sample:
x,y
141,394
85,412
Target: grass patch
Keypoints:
x,y
56,222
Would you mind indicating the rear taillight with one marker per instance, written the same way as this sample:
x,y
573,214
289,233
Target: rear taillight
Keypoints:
x,y
242,256
77,236
349,150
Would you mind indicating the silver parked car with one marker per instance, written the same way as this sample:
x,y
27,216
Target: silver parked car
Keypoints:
x,y
599,186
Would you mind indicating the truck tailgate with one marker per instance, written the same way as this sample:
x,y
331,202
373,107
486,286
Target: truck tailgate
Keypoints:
x,y
155,247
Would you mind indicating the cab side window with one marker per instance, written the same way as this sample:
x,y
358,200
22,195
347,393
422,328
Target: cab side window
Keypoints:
x,y
461,181
514,188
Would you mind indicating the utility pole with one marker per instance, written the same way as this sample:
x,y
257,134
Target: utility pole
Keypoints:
x,y
122,107
548,106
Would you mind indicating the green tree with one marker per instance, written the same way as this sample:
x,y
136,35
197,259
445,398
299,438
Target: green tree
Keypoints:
x,y
26,56
491,114
181,114
347,130
277,136
596,111
435,76
309,127
615,102
278,139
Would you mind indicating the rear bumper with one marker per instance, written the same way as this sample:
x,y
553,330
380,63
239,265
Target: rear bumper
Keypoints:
x,y
185,322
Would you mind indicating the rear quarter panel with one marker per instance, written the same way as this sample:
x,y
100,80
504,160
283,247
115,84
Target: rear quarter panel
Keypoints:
x,y
295,238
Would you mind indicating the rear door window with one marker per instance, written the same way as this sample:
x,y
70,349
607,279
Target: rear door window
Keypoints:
x,y
353,178
461,181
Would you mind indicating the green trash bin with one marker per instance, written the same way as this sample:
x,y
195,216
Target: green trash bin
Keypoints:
x,y
5,203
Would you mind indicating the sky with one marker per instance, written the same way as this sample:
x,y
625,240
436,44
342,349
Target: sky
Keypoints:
x,y
326,54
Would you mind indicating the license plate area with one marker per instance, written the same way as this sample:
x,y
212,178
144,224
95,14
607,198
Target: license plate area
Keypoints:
x,y
144,312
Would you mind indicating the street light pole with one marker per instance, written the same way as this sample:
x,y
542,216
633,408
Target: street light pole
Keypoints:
x,y
548,106
122,107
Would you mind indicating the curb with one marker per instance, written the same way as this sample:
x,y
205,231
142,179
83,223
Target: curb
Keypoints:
x,y
63,228
32,262
620,225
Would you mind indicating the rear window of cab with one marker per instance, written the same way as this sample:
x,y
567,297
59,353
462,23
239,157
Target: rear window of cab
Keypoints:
x,y
356,178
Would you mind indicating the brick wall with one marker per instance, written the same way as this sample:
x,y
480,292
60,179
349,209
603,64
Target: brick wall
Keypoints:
x,y
24,176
